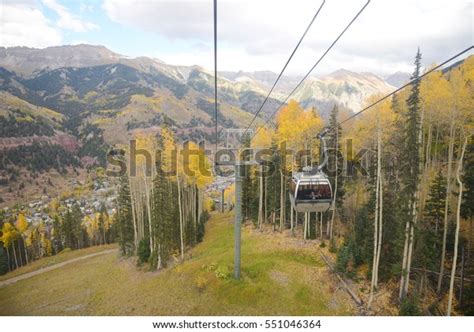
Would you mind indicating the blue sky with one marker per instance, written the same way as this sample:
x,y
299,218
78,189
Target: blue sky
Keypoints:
x,y
126,40
253,34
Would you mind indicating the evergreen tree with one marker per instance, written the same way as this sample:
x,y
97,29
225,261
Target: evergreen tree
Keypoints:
x,y
427,253
57,238
248,192
434,210
80,233
67,230
393,202
164,215
143,251
392,245
411,172
274,183
123,219
3,260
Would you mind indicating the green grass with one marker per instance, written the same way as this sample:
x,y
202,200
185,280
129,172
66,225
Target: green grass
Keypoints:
x,y
280,276
61,257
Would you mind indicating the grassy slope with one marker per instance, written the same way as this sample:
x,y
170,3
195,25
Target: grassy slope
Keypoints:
x,y
281,276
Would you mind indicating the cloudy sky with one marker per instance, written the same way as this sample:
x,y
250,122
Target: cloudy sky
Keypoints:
x,y
253,34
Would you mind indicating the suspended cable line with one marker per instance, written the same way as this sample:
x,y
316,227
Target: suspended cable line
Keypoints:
x,y
315,65
405,85
284,67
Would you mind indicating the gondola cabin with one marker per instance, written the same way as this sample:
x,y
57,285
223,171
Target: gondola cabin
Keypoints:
x,y
310,192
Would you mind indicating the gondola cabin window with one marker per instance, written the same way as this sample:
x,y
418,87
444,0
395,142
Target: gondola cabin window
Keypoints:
x,y
314,191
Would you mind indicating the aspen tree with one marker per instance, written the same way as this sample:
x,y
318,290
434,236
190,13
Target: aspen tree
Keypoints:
x,y
458,221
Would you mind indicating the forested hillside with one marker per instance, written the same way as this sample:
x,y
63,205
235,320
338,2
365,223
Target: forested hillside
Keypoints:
x,y
401,176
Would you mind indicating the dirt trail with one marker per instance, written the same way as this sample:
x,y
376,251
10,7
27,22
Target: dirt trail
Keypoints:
x,y
52,267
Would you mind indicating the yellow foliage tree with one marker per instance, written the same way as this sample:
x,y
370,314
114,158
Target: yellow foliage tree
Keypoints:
x,y
363,132
197,167
263,138
298,128
10,234
46,245
22,227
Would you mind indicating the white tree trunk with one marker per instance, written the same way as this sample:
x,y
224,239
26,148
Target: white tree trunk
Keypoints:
x,y
410,248
321,225
265,214
404,262
14,254
446,205
380,206
380,230
376,222
134,218
194,207
181,224
282,200
261,216
24,247
425,176
292,221
148,209
335,185
458,219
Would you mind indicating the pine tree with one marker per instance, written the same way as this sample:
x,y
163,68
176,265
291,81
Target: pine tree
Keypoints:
x,y
392,230
67,230
3,260
434,209
125,233
248,193
163,213
426,253
411,173
273,185
57,239
80,234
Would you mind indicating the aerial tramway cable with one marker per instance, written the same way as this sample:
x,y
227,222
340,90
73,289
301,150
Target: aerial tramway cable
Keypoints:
x,y
284,67
407,84
315,65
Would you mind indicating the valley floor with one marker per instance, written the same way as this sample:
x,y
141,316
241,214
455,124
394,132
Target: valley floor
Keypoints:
x,y
280,276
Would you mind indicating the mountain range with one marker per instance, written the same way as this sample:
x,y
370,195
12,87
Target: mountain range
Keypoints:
x,y
345,87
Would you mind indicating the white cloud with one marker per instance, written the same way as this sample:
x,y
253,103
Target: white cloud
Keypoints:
x,y
24,25
260,34
67,20
84,8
